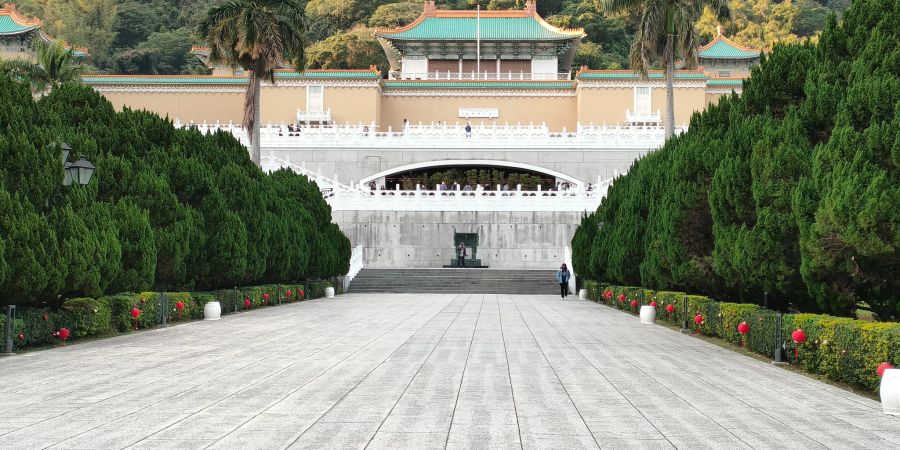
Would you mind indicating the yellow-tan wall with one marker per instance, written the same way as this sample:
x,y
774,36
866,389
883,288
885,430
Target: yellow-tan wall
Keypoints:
x,y
607,105
185,106
688,100
557,112
353,104
365,104
604,105
279,104
712,99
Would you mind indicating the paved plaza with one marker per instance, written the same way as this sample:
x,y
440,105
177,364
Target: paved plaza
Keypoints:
x,y
423,371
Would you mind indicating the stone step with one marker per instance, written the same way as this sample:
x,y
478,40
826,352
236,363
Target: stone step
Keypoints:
x,y
455,280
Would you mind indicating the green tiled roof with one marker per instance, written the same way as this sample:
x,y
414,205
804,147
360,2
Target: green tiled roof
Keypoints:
x,y
492,29
605,75
100,79
723,49
331,74
8,26
481,84
200,79
725,82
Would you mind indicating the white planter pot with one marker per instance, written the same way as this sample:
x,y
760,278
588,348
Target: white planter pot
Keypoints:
x,y
890,392
582,294
329,292
212,311
648,314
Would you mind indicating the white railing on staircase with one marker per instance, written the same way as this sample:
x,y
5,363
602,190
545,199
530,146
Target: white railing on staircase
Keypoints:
x,y
356,264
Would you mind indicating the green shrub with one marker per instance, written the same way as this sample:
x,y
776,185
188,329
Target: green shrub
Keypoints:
x,y
842,349
317,289
89,316
120,311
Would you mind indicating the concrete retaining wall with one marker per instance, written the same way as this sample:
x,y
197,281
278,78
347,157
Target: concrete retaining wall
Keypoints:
x,y
400,239
351,164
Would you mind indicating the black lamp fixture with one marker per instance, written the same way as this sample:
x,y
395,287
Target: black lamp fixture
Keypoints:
x,y
79,171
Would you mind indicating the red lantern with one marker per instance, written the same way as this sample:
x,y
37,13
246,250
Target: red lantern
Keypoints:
x,y
63,334
179,306
670,308
621,298
265,297
300,294
45,317
21,336
288,293
743,328
653,303
247,303
799,337
698,319
882,367
634,304
135,313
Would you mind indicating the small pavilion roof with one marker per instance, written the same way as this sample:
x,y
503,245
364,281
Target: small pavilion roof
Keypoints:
x,y
13,23
492,25
723,48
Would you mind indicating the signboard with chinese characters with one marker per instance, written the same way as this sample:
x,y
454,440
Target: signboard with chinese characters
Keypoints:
x,y
480,113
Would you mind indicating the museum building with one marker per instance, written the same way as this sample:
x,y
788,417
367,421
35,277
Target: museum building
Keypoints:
x,y
447,66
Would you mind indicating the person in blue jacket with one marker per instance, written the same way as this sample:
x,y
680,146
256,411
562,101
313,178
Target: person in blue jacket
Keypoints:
x,y
562,277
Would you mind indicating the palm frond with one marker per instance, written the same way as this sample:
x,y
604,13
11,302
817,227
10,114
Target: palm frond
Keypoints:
x,y
616,6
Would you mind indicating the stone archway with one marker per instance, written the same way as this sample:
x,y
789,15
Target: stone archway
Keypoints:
x,y
475,163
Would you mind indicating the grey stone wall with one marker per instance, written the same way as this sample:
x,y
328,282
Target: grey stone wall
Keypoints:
x,y
351,164
405,239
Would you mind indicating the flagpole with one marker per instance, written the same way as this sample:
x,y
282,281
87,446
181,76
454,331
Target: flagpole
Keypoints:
x,y
478,39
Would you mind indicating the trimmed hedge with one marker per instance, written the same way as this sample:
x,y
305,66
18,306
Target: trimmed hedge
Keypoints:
x,y
110,315
842,349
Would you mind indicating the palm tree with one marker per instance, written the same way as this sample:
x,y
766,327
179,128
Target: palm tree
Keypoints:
x,y
665,28
259,36
54,65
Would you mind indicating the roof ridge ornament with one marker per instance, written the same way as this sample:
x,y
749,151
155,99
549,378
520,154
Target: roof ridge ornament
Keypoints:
x,y
429,9
531,6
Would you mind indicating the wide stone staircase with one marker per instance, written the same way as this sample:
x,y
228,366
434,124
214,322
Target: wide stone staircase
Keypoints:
x,y
474,281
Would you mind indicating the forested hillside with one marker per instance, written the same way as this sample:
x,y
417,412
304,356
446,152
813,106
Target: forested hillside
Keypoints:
x,y
792,188
155,36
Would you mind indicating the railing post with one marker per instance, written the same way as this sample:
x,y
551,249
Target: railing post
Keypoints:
x,y
779,339
7,334
684,315
234,299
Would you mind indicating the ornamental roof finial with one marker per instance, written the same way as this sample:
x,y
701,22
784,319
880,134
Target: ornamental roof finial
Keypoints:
x,y
531,6
720,30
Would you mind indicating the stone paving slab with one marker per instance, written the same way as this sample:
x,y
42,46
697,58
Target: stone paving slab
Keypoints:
x,y
423,371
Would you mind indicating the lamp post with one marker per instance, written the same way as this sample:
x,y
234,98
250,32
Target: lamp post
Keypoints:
x,y
79,172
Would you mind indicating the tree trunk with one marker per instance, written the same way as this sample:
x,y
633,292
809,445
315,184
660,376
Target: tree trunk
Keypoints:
x,y
254,140
669,121
251,118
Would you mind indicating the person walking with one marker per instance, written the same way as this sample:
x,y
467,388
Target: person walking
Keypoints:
x,y
562,277
461,255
